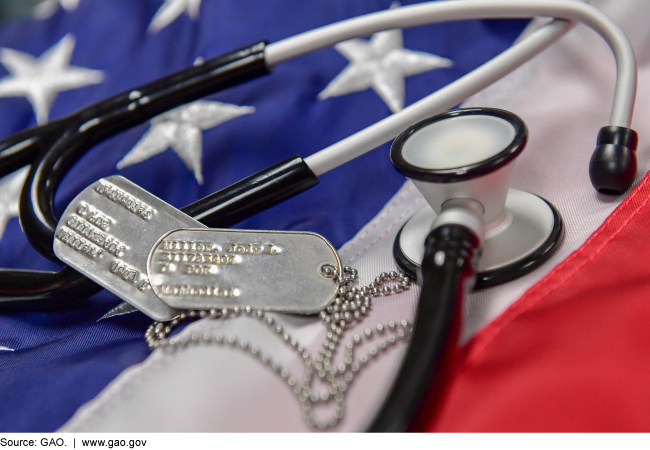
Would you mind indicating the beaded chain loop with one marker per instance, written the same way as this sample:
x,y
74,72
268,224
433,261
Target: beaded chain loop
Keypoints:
x,y
349,306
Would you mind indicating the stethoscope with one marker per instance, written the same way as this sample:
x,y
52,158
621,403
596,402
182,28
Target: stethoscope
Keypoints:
x,y
472,214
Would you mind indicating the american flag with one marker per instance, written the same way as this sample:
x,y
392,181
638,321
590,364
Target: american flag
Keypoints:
x,y
70,53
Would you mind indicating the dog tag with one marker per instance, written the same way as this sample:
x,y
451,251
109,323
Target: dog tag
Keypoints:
x,y
107,232
270,270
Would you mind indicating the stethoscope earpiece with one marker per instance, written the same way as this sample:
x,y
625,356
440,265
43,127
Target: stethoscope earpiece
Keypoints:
x,y
469,154
612,167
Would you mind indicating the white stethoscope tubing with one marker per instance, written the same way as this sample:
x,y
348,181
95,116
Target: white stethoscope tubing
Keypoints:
x,y
447,97
429,13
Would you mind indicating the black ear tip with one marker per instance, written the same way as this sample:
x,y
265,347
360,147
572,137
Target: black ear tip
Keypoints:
x,y
612,169
613,164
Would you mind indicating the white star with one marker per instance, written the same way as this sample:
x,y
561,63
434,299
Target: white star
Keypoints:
x,y
10,187
171,10
41,79
47,8
381,64
120,310
181,129
6,349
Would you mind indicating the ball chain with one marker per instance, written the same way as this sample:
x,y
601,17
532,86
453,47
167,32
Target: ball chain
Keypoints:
x,y
349,306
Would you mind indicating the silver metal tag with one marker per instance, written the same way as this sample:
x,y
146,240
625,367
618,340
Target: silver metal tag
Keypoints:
x,y
107,232
270,270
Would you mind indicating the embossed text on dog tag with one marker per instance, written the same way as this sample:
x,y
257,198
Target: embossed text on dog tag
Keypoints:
x,y
271,270
107,232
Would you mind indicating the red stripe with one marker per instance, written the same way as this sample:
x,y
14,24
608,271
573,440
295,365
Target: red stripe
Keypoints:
x,y
573,354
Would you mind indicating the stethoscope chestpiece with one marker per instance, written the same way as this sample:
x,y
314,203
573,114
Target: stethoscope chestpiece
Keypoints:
x,y
470,154
463,153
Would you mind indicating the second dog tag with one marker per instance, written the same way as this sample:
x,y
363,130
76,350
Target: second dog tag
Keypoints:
x,y
107,232
271,270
